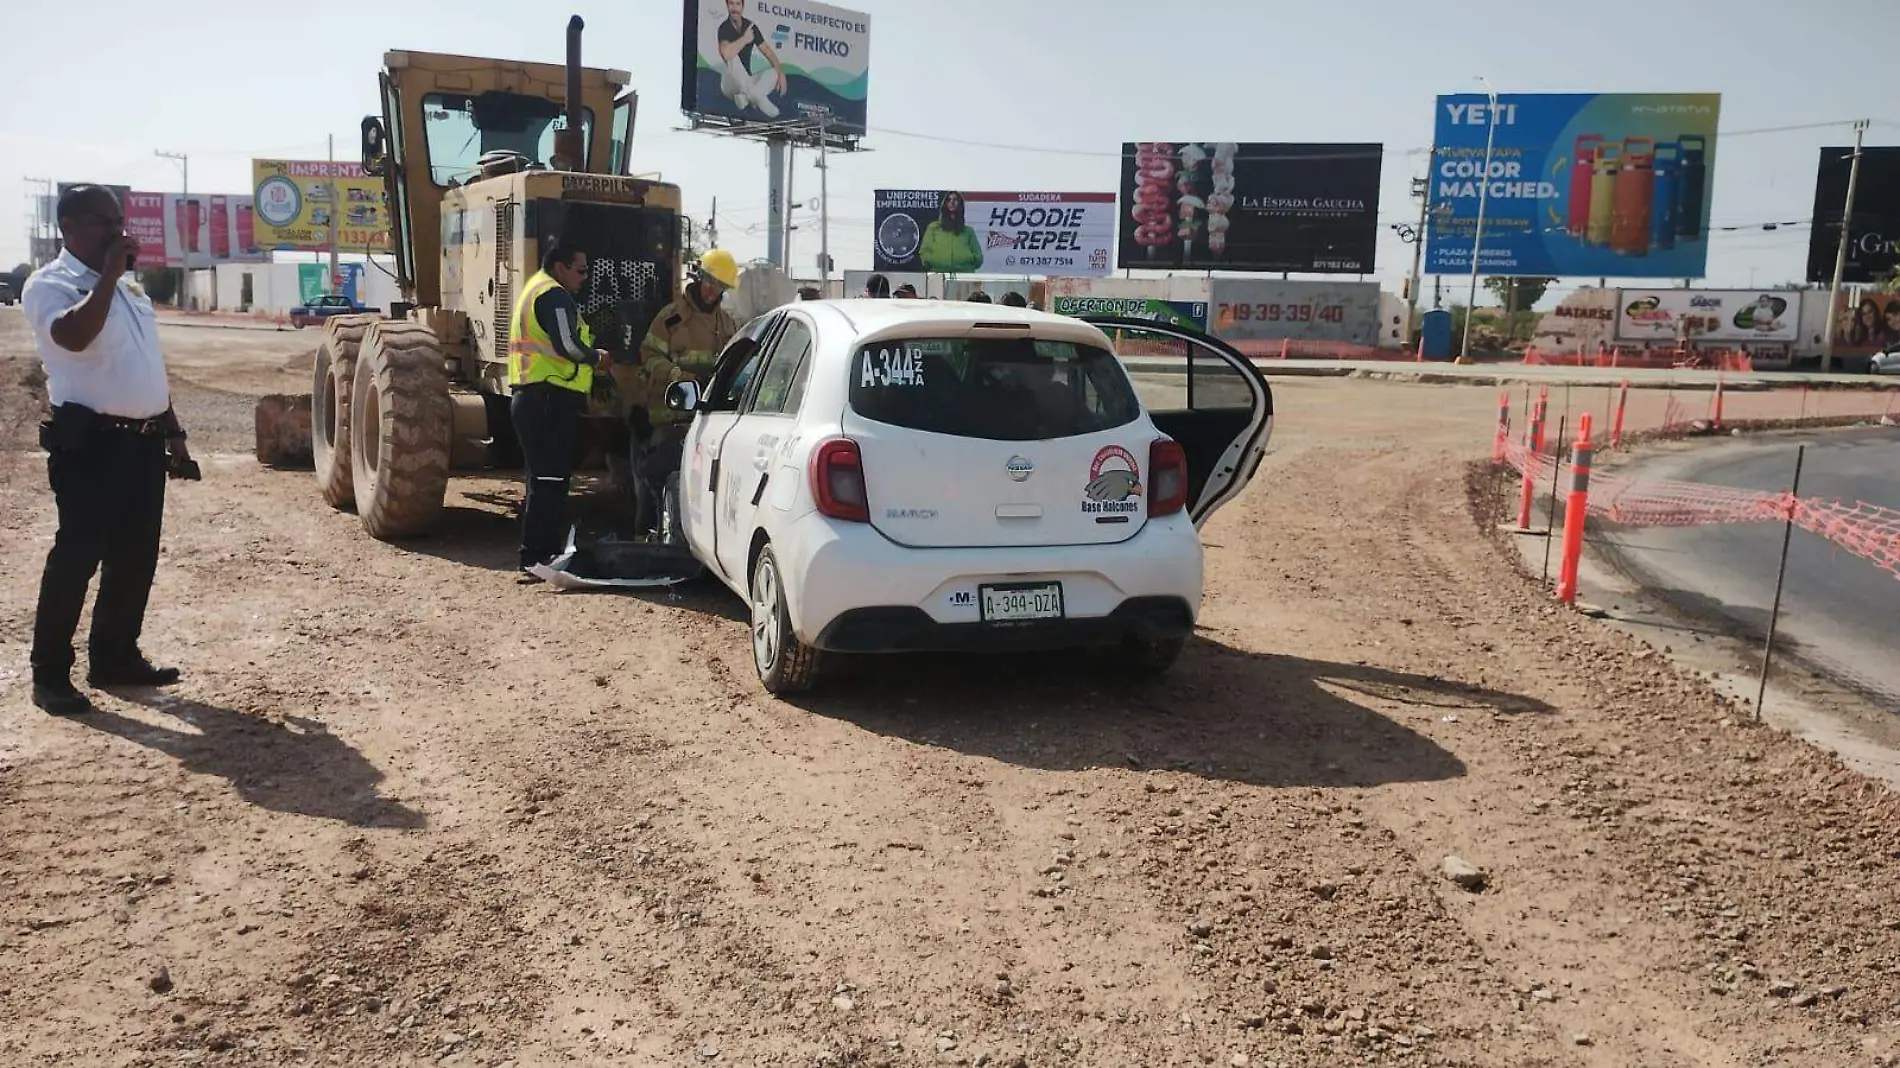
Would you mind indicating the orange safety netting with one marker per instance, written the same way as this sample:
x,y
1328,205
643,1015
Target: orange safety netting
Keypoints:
x,y
1869,531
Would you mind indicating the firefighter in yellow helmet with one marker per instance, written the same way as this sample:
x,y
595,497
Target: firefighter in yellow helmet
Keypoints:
x,y
684,342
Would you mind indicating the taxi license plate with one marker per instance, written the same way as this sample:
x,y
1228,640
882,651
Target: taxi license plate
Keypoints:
x,y
1020,602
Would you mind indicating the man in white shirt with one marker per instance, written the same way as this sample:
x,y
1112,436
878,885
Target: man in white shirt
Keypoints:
x,y
110,443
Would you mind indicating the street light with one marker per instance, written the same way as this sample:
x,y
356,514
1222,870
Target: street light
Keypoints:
x,y
1484,189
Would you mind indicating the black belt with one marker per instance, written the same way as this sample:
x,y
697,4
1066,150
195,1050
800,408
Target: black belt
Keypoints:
x,y
152,427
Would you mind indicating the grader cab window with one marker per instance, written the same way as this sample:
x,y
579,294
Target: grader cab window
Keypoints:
x,y
460,129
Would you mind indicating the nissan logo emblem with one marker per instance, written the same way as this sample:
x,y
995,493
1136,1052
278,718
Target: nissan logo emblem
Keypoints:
x,y
1020,468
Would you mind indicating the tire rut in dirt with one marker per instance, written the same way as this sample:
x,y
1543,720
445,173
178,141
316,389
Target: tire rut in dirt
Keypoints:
x,y
402,472
330,395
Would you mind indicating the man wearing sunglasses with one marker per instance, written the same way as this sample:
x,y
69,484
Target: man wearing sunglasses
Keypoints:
x,y
111,441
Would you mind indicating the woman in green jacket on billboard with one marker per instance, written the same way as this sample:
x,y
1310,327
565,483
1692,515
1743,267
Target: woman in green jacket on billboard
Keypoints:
x,y
950,247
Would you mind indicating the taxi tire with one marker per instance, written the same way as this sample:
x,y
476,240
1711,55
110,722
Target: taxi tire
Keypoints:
x,y
796,666
400,439
333,382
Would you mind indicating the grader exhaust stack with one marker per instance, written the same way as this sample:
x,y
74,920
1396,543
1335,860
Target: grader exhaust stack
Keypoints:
x,y
570,150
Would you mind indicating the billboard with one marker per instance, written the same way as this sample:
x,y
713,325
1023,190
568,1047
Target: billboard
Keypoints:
x,y
1866,324
1873,240
954,232
198,230
785,60
299,202
1261,309
1188,205
1604,184
1192,313
1734,315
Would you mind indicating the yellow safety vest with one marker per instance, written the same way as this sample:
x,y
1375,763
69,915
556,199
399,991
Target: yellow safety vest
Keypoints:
x,y
532,356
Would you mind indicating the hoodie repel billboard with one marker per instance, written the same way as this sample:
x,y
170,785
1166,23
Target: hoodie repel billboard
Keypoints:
x,y
1606,184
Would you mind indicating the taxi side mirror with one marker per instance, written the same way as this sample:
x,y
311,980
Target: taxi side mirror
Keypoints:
x,y
683,396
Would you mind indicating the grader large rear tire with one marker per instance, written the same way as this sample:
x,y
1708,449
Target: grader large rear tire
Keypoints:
x,y
399,433
330,392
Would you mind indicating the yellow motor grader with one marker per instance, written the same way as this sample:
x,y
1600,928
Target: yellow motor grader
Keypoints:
x,y
484,162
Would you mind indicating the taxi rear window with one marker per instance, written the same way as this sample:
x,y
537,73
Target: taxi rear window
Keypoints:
x,y
1003,389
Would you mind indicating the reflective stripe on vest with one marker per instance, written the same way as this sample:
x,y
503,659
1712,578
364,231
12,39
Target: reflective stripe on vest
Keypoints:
x,y
532,356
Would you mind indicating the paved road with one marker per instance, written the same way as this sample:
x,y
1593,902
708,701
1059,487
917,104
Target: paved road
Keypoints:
x,y
1841,612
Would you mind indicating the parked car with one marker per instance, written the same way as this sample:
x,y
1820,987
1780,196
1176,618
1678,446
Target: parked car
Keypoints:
x,y
1886,362
892,476
315,312
7,294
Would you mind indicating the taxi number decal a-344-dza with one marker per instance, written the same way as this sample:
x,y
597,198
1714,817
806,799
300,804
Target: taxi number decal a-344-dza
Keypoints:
x,y
892,367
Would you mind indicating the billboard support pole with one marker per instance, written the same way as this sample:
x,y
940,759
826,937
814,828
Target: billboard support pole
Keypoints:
x,y
1477,237
775,196
1840,254
1423,188
824,211
336,227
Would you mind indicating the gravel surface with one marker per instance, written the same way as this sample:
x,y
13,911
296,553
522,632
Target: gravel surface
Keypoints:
x,y
1391,808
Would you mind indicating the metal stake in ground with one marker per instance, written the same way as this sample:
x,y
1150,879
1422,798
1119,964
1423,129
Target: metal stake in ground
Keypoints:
x,y
1781,576
1550,514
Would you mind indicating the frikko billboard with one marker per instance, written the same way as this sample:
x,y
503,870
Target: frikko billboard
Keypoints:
x,y
954,232
1605,184
1873,245
776,60
1222,205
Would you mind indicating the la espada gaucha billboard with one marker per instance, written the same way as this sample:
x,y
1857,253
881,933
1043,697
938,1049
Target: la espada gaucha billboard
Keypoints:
x,y
776,60
955,232
1252,206
1604,184
1733,315
1873,240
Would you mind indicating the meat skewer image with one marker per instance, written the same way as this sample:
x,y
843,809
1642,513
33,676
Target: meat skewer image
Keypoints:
x,y
1153,210
1221,200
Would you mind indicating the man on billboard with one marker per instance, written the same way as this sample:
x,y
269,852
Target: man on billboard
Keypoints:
x,y
949,245
738,36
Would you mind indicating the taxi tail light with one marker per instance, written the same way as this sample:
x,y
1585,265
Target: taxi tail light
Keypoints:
x,y
837,481
1167,477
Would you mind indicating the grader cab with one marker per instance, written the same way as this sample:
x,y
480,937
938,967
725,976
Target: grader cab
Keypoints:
x,y
484,162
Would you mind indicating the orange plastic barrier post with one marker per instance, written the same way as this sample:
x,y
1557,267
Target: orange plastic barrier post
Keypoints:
x,y
1528,490
1575,509
1283,348
1616,425
1504,428
1715,410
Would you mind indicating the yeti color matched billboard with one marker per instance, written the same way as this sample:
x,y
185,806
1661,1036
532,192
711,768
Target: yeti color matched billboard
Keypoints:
x,y
1599,184
776,60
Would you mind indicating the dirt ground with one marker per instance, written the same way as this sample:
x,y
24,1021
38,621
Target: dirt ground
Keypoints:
x,y
404,811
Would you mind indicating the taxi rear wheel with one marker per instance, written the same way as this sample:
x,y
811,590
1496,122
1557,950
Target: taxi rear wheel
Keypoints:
x,y
785,664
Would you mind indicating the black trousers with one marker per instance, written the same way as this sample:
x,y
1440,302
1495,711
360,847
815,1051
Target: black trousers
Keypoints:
x,y
547,423
110,493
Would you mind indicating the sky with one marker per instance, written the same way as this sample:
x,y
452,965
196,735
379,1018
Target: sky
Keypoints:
x,y
1025,95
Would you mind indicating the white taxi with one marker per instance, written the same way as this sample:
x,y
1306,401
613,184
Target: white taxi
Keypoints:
x,y
880,476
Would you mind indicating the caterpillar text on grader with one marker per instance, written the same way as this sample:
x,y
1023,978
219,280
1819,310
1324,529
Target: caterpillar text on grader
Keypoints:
x,y
484,162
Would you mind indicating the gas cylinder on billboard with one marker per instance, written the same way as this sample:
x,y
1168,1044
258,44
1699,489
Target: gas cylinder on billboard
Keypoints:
x,y
181,224
1662,206
1635,186
1690,178
1604,167
1582,159
246,229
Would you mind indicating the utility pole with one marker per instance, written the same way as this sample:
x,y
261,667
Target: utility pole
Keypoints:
x,y
791,206
44,225
824,212
712,226
184,245
1840,252
336,221
1477,237
1422,189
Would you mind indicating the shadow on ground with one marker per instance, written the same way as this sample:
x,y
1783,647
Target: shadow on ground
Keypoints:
x,y
1223,713
294,766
